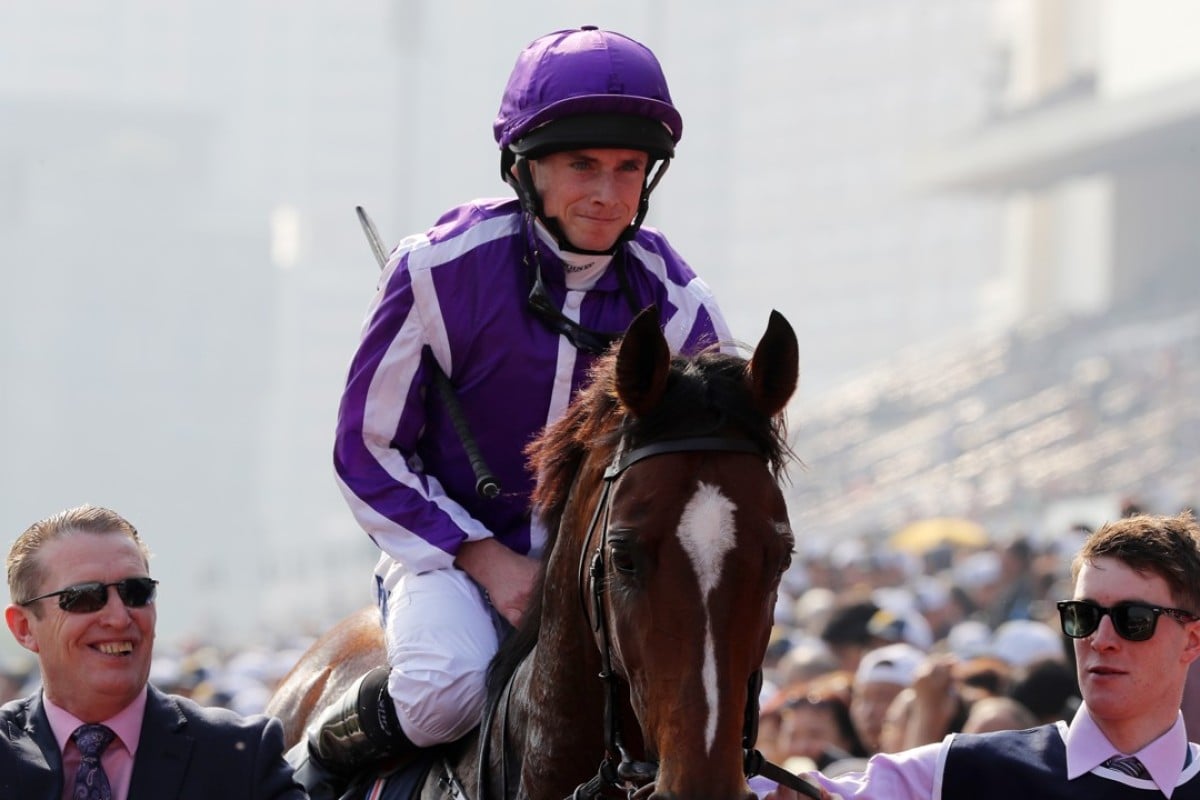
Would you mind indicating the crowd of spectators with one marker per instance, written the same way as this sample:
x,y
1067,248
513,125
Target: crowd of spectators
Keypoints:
x,y
1006,429
874,649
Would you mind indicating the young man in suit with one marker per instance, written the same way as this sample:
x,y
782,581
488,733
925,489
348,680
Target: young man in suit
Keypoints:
x,y
1134,618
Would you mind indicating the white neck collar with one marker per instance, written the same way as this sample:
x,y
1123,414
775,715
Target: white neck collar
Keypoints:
x,y
582,270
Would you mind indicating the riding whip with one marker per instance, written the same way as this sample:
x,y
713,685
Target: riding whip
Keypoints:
x,y
486,485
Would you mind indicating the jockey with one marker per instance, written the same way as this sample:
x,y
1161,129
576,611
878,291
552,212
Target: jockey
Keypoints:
x,y
512,299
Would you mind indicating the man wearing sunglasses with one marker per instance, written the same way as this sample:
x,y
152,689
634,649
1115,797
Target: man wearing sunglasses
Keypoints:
x,y
512,299
1135,630
84,602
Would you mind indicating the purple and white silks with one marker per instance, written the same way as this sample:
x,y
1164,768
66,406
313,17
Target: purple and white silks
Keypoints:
x,y
457,296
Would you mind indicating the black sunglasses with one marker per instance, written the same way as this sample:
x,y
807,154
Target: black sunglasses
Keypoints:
x,y
84,598
542,307
1133,621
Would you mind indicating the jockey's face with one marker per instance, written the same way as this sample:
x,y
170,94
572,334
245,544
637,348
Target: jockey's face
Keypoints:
x,y
593,193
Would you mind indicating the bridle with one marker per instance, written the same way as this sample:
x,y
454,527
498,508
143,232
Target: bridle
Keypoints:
x,y
617,770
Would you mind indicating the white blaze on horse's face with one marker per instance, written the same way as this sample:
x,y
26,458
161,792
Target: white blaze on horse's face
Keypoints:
x,y
706,531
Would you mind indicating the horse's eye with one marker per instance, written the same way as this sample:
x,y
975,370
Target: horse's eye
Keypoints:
x,y
621,555
790,543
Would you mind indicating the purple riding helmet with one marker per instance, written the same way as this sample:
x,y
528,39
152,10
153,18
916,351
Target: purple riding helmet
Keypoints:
x,y
580,88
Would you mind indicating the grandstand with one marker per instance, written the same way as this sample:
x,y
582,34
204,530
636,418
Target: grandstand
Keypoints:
x,y
1004,429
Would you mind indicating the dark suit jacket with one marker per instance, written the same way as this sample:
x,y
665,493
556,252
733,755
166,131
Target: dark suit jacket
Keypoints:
x,y
186,752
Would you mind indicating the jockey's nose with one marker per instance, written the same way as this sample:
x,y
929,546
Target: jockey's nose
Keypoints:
x,y
605,189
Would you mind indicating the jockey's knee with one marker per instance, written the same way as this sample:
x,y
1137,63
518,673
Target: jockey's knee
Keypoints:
x,y
440,640
435,706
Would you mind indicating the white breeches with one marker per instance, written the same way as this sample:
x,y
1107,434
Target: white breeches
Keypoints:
x,y
440,637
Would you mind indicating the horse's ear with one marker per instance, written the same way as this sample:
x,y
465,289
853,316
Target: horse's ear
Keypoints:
x,y
775,366
643,362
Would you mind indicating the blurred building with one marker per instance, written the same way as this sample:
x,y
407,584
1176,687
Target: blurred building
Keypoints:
x,y
134,330
793,188
1081,400
172,336
1092,145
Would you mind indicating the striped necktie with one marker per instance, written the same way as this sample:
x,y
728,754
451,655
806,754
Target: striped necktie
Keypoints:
x,y
90,781
1129,765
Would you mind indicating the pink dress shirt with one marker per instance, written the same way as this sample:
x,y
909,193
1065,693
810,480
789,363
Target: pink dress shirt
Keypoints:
x,y
117,758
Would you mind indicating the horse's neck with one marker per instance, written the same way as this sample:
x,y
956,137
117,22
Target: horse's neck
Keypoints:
x,y
559,720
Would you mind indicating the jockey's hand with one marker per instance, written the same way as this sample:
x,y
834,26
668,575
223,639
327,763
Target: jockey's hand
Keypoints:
x,y
506,576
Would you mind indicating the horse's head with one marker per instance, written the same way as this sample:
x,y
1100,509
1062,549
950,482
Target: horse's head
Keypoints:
x,y
679,536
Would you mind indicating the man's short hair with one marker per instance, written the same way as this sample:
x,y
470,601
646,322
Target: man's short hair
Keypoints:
x,y
25,572
1160,545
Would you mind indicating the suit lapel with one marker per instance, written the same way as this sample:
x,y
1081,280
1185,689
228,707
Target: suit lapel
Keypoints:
x,y
31,765
163,752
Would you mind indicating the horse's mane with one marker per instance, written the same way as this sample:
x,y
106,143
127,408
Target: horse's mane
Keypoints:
x,y
706,394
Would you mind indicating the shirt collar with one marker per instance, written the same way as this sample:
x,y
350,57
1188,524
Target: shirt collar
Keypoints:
x,y
581,270
1088,748
126,723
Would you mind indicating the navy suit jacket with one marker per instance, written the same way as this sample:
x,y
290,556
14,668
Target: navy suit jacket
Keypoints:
x,y
186,752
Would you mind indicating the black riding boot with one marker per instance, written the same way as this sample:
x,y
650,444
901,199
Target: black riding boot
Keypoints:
x,y
356,732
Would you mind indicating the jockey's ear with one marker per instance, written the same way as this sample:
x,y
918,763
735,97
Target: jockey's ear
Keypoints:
x,y
774,369
643,363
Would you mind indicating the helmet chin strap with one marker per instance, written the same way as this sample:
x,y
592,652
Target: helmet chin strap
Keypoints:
x,y
523,184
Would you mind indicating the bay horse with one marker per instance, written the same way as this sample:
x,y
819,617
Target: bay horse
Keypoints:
x,y
668,535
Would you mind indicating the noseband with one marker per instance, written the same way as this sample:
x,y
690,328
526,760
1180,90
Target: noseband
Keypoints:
x,y
617,769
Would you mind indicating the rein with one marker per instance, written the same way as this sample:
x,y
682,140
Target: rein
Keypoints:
x,y
617,770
